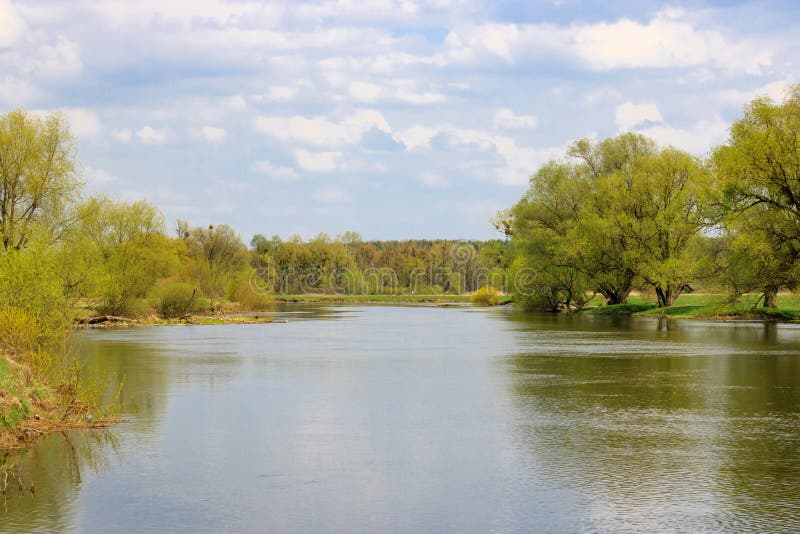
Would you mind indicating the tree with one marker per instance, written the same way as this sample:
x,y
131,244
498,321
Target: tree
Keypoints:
x,y
598,246
129,250
759,168
658,206
542,223
625,213
38,182
217,254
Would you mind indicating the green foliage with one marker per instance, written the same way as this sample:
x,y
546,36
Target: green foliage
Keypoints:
x,y
759,171
176,298
214,256
486,296
622,213
32,299
128,250
37,178
246,291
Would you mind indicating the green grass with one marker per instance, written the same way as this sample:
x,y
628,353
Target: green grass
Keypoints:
x,y
704,306
14,406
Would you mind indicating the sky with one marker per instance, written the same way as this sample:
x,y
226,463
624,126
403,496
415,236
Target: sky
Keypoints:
x,y
392,118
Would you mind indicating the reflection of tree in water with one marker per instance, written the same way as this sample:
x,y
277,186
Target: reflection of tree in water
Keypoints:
x,y
693,441
45,479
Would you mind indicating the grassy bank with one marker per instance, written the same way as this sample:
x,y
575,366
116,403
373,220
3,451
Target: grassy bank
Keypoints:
x,y
702,306
30,408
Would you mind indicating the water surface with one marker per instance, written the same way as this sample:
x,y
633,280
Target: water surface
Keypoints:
x,y
402,419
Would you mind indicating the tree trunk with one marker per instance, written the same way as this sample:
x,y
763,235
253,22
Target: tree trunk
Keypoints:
x,y
771,297
615,296
666,296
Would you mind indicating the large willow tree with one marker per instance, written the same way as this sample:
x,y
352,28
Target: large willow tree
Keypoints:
x,y
38,182
759,168
619,214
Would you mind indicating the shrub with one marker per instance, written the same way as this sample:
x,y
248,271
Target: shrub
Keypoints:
x,y
247,292
176,298
20,332
485,296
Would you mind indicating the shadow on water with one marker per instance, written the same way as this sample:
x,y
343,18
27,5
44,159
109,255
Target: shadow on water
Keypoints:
x,y
699,430
44,482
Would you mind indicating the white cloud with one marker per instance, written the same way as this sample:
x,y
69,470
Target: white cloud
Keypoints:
x,y
15,92
364,92
11,24
318,161
123,135
236,103
210,134
505,119
83,123
698,138
150,135
394,90
435,181
329,195
416,136
518,162
57,61
320,130
669,39
275,172
278,92
95,176
629,115
775,90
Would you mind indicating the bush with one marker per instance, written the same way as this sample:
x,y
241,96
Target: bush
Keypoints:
x,y
176,298
20,332
32,300
248,294
485,296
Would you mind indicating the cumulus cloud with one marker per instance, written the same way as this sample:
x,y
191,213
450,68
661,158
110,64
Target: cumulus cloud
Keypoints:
x,y
11,24
150,135
629,115
322,131
276,93
697,138
505,119
396,90
318,161
59,60
776,90
15,91
364,91
95,176
667,40
517,163
276,172
84,123
210,134
401,90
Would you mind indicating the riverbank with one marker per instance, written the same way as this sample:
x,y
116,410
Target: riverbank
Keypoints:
x,y
381,299
706,307
30,409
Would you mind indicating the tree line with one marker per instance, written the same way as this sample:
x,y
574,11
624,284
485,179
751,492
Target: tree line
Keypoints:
x,y
61,250
624,214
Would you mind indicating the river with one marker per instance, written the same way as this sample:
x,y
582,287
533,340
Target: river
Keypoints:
x,y
425,418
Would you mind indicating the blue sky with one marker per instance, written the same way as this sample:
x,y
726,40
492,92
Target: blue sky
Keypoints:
x,y
393,118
